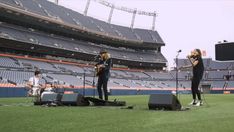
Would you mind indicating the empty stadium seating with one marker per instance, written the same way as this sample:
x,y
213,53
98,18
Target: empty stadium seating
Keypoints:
x,y
13,72
40,38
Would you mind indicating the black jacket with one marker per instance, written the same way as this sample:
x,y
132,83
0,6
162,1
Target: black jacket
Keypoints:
x,y
105,73
198,69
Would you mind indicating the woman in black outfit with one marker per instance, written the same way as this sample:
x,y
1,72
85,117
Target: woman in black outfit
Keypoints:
x,y
103,72
198,68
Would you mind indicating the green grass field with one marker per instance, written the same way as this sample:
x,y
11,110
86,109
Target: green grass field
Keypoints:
x,y
19,115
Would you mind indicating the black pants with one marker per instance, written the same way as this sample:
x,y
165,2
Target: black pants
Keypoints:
x,y
102,83
195,91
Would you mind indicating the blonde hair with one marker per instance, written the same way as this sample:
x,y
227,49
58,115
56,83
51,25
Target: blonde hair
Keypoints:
x,y
199,52
106,56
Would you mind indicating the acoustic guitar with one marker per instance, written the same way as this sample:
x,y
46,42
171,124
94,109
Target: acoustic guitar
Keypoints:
x,y
99,69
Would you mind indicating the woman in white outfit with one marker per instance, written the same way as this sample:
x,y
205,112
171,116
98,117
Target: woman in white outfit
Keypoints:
x,y
33,84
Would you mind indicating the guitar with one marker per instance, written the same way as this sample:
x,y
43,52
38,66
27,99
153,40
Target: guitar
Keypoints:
x,y
99,69
38,91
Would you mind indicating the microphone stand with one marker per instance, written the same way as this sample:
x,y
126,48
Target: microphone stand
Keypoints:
x,y
94,75
84,82
84,78
93,83
177,73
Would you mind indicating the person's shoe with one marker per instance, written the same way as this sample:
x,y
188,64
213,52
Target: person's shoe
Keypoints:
x,y
194,102
198,103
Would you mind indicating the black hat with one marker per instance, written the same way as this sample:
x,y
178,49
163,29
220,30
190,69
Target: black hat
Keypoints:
x,y
103,51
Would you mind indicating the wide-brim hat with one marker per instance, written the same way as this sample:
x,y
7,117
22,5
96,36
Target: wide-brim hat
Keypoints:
x,y
103,51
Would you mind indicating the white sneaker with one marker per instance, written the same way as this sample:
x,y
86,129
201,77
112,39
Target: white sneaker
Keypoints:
x,y
194,102
198,103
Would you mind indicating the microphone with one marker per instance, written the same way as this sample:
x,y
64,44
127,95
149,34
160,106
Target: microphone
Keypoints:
x,y
97,56
179,51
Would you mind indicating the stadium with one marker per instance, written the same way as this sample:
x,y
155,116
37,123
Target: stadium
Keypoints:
x,y
64,45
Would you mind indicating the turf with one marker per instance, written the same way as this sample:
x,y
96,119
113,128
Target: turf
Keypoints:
x,y
19,115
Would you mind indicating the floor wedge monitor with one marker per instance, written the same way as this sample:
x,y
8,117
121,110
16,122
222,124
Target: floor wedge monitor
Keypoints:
x,y
74,99
163,102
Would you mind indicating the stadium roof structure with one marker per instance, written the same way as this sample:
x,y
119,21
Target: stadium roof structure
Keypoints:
x,y
57,19
46,28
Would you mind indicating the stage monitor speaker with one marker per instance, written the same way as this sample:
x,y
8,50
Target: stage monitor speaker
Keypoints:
x,y
163,102
100,102
96,101
50,97
74,99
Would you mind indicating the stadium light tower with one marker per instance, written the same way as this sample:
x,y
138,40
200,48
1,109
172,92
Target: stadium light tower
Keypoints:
x,y
154,20
111,13
133,17
56,2
125,9
87,7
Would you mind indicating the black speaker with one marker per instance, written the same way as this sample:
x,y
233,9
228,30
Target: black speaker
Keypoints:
x,y
74,100
50,97
96,101
100,102
163,102
224,51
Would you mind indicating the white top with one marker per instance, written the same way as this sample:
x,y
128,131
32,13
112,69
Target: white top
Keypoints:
x,y
34,81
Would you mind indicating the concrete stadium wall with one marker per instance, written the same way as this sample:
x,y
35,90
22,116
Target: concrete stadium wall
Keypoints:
x,y
222,91
22,92
13,92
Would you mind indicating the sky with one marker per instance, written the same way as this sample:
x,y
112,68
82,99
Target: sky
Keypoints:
x,y
182,24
